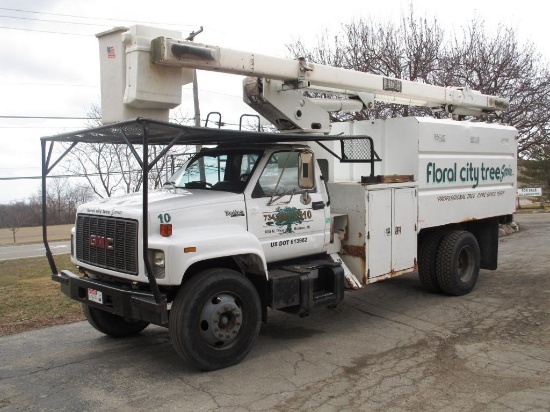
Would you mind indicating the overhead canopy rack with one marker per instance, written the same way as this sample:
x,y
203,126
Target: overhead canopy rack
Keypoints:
x,y
163,133
145,132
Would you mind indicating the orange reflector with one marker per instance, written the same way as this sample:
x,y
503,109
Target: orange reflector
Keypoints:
x,y
190,249
166,229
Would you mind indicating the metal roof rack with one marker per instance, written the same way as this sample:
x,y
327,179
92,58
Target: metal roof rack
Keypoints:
x,y
146,132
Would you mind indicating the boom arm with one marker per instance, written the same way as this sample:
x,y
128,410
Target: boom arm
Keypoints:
x,y
133,87
302,74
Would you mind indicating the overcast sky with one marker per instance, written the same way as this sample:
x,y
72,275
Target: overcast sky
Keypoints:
x,y
49,54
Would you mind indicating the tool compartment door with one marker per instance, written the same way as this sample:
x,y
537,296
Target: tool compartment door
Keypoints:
x,y
404,228
379,246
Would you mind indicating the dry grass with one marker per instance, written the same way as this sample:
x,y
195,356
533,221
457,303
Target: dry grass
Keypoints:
x,y
34,234
30,299
533,207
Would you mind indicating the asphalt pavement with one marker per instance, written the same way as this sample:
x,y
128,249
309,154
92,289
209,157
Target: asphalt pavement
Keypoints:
x,y
390,347
33,250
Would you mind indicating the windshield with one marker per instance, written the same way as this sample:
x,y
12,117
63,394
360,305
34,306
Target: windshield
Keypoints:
x,y
227,170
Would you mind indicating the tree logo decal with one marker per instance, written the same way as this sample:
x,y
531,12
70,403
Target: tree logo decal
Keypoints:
x,y
288,216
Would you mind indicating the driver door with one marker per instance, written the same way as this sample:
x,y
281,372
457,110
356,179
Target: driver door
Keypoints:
x,y
288,220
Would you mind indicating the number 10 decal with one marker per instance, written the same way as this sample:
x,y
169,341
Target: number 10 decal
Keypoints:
x,y
164,218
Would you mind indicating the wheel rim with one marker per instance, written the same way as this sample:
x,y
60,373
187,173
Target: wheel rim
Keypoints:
x,y
221,320
465,264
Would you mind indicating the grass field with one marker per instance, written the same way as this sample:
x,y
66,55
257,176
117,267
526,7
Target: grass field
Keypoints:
x,y
30,299
34,234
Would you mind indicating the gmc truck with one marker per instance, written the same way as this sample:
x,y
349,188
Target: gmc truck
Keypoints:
x,y
290,221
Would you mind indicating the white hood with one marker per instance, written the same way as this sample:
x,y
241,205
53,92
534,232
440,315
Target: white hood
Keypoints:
x,y
159,200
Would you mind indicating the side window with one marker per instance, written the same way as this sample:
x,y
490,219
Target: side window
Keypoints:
x,y
247,164
214,168
283,165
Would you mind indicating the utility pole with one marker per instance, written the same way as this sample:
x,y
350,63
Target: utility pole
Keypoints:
x,y
191,37
198,147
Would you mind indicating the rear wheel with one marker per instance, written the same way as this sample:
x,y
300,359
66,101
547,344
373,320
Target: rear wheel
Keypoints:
x,y
458,263
215,319
112,325
427,260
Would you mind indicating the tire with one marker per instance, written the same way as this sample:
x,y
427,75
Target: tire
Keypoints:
x,y
427,259
215,319
458,263
112,325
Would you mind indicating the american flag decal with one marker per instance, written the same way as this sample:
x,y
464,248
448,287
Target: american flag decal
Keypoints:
x,y
111,52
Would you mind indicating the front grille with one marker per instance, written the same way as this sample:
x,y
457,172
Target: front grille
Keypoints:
x,y
107,242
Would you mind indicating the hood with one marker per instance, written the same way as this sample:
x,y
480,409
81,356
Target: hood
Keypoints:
x,y
162,199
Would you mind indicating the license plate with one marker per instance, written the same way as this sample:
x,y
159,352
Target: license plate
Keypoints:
x,y
95,296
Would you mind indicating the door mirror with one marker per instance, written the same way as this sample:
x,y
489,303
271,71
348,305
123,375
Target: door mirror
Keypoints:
x,y
306,178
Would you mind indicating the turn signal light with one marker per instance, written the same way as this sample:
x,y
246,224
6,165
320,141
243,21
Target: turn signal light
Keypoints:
x,y
190,249
166,229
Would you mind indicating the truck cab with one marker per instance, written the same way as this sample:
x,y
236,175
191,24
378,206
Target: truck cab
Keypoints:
x,y
265,202
240,227
283,200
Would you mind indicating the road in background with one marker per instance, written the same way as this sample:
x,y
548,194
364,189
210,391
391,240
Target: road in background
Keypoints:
x,y
389,346
34,250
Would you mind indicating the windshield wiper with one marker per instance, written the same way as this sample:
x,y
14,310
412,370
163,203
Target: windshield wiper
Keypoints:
x,y
170,183
198,184
280,195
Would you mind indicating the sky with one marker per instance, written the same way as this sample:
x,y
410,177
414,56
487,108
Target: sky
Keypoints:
x,y
50,61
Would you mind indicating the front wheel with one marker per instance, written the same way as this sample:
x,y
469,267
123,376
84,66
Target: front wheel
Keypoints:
x,y
112,325
215,319
458,259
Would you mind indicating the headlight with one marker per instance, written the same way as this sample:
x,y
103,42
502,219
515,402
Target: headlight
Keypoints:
x,y
156,257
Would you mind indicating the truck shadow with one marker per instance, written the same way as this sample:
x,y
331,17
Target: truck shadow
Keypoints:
x,y
153,348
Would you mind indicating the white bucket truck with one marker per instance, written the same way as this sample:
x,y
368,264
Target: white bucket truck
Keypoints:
x,y
284,220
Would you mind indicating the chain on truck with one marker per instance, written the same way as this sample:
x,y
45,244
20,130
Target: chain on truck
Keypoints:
x,y
290,221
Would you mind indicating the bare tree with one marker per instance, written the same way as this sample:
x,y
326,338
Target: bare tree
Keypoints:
x,y
100,164
73,195
55,200
63,198
113,169
35,209
177,116
408,50
419,49
500,65
14,216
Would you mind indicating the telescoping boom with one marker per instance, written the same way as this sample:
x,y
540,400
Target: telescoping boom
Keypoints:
x,y
143,69
303,74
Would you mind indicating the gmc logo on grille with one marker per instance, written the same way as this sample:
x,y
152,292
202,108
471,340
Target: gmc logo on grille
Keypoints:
x,y
102,242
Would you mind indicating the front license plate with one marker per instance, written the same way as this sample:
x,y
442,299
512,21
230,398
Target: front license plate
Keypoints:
x,y
95,296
